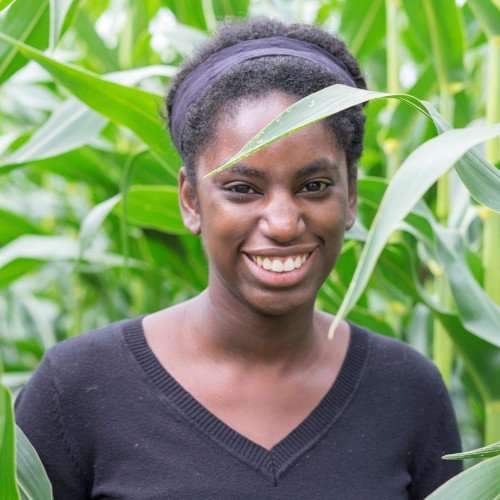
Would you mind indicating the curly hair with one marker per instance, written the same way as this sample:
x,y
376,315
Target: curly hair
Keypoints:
x,y
257,77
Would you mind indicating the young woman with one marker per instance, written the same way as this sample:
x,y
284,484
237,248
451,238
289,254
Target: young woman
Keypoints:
x,y
238,393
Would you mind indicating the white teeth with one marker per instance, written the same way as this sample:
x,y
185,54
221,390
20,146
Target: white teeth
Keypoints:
x,y
280,264
289,264
277,266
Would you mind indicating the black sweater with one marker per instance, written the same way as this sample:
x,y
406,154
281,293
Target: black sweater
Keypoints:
x,y
110,423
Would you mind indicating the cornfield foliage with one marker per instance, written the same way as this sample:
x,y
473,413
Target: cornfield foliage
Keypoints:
x,y
90,230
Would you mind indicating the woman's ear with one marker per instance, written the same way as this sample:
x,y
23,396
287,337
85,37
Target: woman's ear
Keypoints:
x,y
352,202
188,203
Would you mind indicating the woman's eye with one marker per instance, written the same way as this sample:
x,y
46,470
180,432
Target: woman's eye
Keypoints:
x,y
241,189
315,186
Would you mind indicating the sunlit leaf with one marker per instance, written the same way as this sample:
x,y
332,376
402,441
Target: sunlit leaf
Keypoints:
x,y
5,3
488,15
485,452
32,479
13,225
190,13
137,109
481,481
311,109
94,220
446,34
481,178
365,33
58,11
477,311
26,21
27,252
8,486
71,126
155,207
415,176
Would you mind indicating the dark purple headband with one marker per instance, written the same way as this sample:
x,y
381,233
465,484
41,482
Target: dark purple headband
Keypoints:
x,y
203,76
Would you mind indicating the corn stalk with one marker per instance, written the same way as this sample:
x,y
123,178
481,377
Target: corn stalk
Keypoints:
x,y
491,241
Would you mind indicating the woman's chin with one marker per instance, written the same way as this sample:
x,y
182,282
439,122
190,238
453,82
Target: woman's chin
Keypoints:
x,y
278,303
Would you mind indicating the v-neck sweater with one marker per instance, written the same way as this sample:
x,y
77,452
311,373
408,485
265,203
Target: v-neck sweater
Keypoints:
x,y
110,422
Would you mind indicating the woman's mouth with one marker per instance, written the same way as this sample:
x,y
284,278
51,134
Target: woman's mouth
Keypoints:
x,y
280,264
280,270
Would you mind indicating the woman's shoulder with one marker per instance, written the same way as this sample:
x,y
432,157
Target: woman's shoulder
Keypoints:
x,y
397,364
91,351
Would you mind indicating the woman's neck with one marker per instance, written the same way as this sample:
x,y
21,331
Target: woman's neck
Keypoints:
x,y
224,329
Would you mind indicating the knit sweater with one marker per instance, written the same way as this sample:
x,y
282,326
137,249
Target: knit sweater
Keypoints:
x,y
109,422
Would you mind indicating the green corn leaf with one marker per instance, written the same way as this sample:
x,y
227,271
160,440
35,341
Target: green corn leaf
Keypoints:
x,y
481,358
481,178
28,252
71,126
487,451
190,13
404,118
134,108
26,21
311,109
477,311
97,168
59,9
13,225
8,484
415,176
93,222
480,482
32,479
364,33
4,4
444,24
488,15
100,57
232,8
155,207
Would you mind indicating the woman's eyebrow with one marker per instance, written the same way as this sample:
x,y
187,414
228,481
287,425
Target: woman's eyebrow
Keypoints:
x,y
246,170
322,165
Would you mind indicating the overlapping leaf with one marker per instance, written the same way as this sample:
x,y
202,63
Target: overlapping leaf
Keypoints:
x,y
417,174
26,21
32,479
481,481
134,108
481,178
8,485
491,450
74,124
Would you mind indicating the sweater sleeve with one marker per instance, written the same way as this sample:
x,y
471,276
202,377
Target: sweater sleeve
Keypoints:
x,y
430,470
39,414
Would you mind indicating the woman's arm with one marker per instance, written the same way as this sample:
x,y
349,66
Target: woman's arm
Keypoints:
x,y
40,415
430,470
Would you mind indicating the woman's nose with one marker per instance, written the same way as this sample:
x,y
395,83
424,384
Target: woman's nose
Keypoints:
x,y
282,219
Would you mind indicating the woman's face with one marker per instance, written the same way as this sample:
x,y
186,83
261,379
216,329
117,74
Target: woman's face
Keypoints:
x,y
284,208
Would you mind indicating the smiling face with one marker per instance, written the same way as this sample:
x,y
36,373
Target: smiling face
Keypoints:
x,y
284,208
